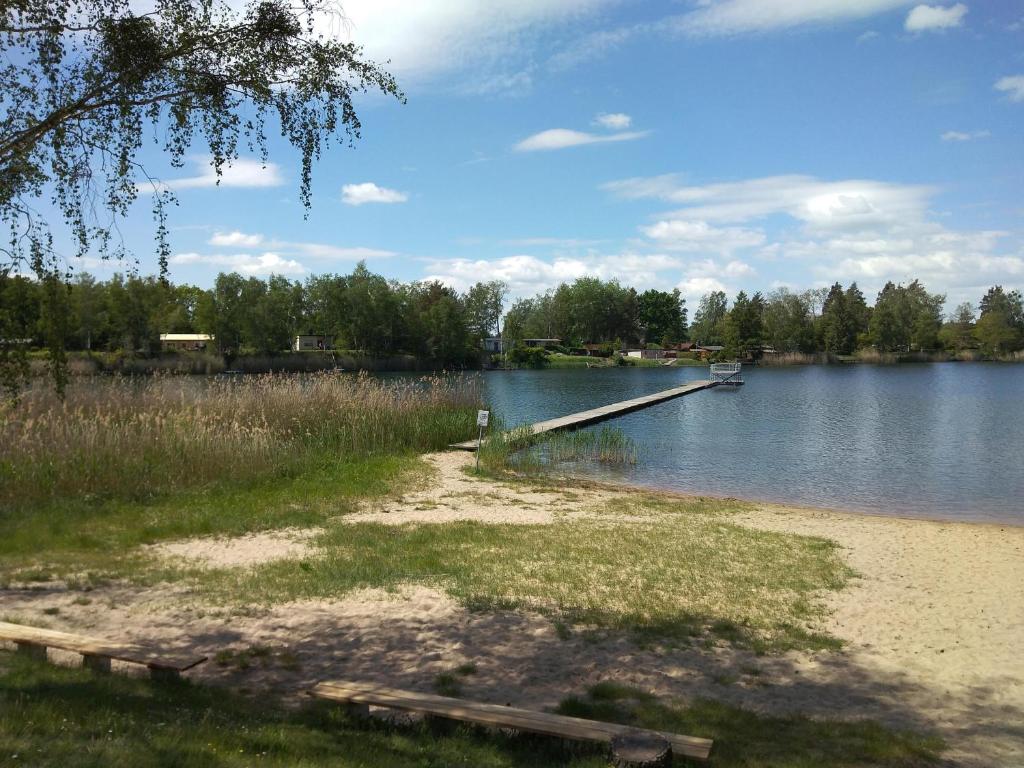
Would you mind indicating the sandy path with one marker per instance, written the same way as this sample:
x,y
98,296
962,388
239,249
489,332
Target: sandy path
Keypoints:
x,y
935,626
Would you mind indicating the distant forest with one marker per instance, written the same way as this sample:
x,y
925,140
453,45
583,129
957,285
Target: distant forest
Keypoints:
x,y
369,313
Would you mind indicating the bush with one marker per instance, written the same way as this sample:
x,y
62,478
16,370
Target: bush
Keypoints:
x,y
529,357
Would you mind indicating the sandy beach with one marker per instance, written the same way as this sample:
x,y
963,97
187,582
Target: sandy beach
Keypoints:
x,y
932,625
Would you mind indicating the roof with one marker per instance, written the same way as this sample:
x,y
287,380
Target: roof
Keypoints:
x,y
185,337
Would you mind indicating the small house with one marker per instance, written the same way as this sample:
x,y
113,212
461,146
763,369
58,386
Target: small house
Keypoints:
x,y
312,342
185,342
494,345
646,354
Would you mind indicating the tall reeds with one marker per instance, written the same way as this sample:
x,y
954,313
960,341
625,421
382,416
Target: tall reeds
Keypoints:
x,y
520,451
131,439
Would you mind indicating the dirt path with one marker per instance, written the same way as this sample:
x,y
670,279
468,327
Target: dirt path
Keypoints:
x,y
934,626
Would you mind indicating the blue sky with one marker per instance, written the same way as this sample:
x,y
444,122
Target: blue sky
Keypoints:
x,y
706,145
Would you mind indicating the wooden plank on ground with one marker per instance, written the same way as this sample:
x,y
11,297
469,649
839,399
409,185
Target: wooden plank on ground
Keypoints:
x,y
496,715
595,415
92,647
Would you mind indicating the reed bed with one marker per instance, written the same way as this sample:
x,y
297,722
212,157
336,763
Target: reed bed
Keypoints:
x,y
130,439
520,451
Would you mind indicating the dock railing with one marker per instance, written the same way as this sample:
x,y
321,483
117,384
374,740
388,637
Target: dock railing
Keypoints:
x,y
726,373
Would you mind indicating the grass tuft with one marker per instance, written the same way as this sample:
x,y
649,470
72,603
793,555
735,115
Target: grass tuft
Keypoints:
x,y
744,739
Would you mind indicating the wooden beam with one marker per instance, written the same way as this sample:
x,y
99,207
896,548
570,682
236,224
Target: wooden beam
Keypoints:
x,y
25,636
497,716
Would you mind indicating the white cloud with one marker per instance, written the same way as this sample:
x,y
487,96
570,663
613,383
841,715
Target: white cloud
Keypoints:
x,y
368,192
560,138
685,235
427,39
926,18
238,239
615,121
1012,86
865,37
852,203
693,288
235,240
739,269
267,263
730,17
527,275
861,229
964,135
243,172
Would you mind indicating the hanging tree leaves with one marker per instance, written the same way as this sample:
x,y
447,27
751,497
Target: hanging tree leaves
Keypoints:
x,y
84,82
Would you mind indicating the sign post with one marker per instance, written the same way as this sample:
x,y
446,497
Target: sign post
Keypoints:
x,y
481,422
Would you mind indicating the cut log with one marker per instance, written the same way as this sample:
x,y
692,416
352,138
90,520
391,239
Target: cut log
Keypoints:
x,y
641,750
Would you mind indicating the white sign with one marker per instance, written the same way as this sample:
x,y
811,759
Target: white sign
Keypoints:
x,y
482,417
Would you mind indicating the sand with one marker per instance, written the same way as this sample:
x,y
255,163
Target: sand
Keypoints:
x,y
934,625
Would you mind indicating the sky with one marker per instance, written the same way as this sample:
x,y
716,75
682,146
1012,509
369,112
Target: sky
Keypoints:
x,y
707,145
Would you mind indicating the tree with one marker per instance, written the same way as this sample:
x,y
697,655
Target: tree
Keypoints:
x,y
905,317
84,84
788,322
709,320
1000,328
220,313
484,303
19,321
958,333
838,333
90,314
743,324
662,316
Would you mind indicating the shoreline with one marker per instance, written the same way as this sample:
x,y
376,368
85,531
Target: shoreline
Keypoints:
x,y
796,505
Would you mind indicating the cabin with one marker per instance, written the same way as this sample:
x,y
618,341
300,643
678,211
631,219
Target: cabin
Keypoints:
x,y
647,354
494,345
185,342
312,342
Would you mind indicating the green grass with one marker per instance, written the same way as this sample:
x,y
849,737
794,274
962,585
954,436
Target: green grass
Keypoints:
x,y
558,360
99,538
52,717
746,740
676,571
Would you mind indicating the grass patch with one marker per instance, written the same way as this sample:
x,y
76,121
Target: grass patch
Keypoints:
x,y
92,541
671,577
746,740
53,717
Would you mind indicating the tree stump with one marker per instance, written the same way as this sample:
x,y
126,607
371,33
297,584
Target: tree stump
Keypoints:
x,y
641,750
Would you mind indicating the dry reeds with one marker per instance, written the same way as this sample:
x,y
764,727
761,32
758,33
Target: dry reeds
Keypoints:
x,y
131,439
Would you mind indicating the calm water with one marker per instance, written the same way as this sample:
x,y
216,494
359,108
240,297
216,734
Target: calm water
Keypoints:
x,y
943,440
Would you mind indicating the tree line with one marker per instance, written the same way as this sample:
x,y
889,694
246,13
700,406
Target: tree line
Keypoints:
x,y
835,320
362,311
369,313
838,320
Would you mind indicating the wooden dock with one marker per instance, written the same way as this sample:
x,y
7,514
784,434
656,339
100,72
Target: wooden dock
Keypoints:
x,y
594,415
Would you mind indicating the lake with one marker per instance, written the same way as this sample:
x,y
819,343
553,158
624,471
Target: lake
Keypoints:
x,y
940,441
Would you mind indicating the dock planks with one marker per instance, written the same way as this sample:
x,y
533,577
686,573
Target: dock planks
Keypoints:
x,y
594,415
